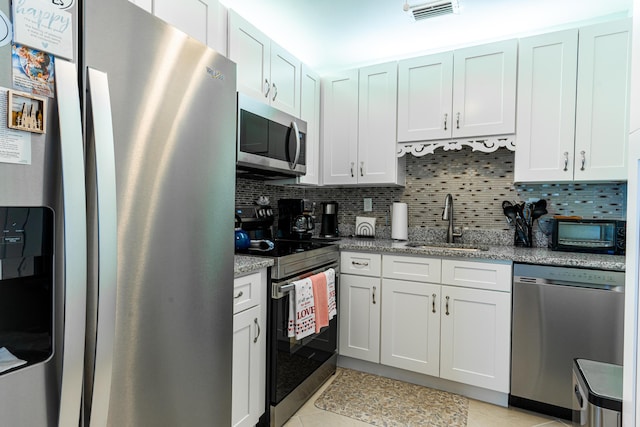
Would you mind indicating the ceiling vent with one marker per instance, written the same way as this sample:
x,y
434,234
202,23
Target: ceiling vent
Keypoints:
x,y
432,9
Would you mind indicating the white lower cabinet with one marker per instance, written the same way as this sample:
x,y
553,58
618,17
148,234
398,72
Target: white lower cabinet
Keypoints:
x,y
249,349
411,326
360,317
448,318
475,335
359,299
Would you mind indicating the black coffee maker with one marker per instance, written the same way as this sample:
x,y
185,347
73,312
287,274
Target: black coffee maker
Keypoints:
x,y
329,225
295,219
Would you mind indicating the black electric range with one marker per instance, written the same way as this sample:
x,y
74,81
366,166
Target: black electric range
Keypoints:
x,y
292,257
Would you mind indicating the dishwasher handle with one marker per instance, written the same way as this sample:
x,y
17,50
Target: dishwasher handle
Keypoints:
x,y
526,280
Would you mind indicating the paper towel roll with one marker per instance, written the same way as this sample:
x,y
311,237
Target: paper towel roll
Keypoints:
x,y
399,221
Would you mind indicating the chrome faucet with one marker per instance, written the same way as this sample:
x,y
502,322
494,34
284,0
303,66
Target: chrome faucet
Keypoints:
x,y
447,215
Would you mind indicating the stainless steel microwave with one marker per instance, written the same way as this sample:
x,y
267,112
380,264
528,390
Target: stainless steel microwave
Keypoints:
x,y
271,143
606,236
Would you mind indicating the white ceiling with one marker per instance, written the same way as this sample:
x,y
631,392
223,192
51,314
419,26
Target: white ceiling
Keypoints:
x,y
337,34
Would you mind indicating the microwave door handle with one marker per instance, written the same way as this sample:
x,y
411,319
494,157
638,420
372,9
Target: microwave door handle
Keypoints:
x,y
297,133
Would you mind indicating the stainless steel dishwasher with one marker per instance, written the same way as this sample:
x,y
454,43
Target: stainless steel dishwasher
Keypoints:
x,y
559,314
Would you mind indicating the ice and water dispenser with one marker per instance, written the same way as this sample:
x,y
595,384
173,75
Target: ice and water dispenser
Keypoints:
x,y
26,286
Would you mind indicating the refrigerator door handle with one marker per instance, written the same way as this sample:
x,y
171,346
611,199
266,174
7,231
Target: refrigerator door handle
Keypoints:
x,y
75,242
106,233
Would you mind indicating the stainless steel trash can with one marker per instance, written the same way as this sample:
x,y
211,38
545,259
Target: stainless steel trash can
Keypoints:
x,y
597,394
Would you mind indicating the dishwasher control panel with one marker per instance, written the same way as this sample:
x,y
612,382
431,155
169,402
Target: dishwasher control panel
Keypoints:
x,y
540,274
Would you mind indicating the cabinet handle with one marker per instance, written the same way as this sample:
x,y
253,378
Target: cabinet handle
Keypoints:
x,y
361,168
447,306
433,303
267,87
255,339
446,117
360,264
582,154
239,295
351,169
566,161
458,121
275,93
374,294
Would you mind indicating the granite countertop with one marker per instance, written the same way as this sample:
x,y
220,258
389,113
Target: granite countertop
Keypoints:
x,y
542,256
247,264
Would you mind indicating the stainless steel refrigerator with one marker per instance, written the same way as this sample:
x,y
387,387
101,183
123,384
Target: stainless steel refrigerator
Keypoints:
x,y
138,167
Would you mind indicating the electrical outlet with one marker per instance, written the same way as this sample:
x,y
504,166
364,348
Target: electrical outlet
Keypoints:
x,y
368,205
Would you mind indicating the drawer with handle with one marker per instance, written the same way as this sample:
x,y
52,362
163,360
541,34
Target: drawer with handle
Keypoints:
x,y
361,263
247,291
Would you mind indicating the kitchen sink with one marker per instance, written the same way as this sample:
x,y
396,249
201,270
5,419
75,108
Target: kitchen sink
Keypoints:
x,y
448,246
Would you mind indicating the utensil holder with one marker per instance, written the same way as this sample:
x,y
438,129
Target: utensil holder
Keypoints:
x,y
525,241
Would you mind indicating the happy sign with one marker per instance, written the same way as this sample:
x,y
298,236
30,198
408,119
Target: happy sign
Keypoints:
x,y
39,24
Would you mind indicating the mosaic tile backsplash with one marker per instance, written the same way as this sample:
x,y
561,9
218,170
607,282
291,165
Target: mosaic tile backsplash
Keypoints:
x,y
479,183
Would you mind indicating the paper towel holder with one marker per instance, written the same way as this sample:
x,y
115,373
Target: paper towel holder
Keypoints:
x,y
399,221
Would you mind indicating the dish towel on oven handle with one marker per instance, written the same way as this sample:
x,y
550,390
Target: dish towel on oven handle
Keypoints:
x,y
302,322
320,300
331,292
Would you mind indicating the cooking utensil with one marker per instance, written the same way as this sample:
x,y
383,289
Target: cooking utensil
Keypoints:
x,y
513,213
526,213
506,204
539,209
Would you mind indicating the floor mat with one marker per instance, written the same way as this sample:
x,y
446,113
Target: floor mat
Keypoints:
x,y
386,402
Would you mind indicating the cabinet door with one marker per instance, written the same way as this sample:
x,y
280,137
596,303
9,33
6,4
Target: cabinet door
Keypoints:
x,y
484,89
602,115
360,317
424,97
285,81
340,128
410,336
198,18
475,337
250,50
246,405
310,113
547,70
377,161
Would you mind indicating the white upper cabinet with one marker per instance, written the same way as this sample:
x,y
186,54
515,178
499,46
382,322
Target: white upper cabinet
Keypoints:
x,y
602,104
546,106
469,92
310,113
377,162
265,70
573,100
484,89
340,128
201,19
359,122
424,97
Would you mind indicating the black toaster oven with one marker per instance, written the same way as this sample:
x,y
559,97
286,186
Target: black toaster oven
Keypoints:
x,y
604,236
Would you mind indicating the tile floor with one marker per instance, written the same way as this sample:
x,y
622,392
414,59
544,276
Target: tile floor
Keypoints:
x,y
480,415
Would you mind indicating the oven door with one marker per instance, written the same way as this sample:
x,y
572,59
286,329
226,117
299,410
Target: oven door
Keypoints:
x,y
292,361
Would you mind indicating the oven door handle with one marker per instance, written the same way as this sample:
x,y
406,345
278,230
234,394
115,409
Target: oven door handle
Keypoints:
x,y
280,289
